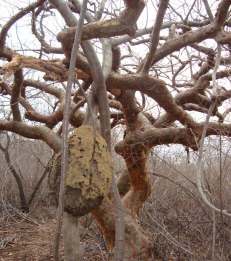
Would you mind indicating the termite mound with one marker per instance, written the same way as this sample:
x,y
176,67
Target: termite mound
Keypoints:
x,y
89,174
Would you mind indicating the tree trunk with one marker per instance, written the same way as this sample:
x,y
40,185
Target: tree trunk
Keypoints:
x,y
137,242
71,237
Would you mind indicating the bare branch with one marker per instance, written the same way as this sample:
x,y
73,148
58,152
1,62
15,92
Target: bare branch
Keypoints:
x,y
16,92
14,19
33,132
163,5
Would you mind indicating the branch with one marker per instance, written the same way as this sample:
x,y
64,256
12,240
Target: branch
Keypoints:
x,y
208,10
57,92
16,92
33,132
14,19
120,224
31,114
154,88
40,37
55,70
100,90
100,10
124,24
163,5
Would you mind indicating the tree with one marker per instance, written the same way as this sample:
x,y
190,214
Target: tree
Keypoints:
x,y
16,175
5,148
182,67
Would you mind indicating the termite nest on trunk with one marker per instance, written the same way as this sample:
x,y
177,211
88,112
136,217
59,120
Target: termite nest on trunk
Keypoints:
x,y
89,174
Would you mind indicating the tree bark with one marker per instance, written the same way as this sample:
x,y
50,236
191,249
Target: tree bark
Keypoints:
x,y
71,237
137,244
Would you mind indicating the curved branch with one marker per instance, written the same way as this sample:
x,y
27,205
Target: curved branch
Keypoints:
x,y
33,132
14,19
154,88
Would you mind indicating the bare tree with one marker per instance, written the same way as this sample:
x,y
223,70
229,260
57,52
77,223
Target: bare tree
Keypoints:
x,y
16,175
5,144
173,62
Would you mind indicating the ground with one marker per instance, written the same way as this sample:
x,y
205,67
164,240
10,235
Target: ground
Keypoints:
x,y
23,238
26,241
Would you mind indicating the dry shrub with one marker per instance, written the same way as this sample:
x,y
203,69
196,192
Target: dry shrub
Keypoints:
x,y
179,222
175,216
29,159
